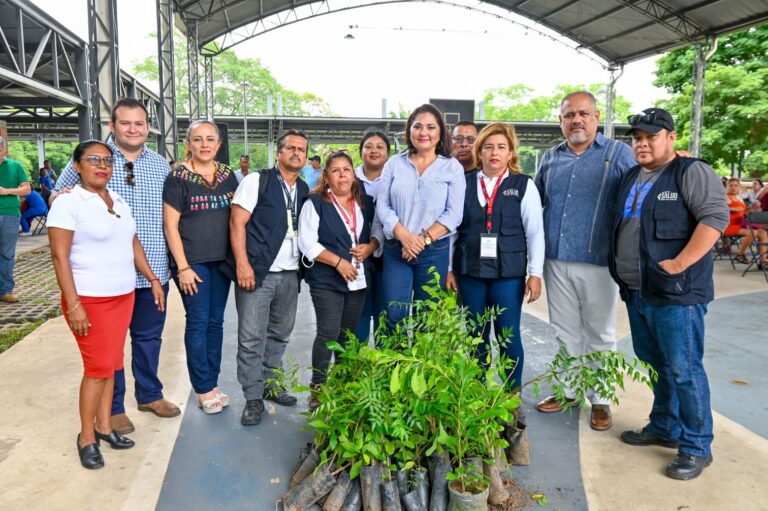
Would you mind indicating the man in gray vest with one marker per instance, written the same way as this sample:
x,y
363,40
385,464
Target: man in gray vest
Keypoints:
x,y
671,211
578,180
264,237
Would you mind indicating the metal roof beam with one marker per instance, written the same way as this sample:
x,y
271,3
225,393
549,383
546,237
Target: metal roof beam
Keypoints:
x,y
661,14
39,87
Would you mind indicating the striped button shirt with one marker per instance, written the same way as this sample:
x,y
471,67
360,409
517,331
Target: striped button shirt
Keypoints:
x,y
418,201
145,198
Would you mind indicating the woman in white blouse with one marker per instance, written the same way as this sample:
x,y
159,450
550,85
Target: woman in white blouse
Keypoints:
x,y
336,240
499,242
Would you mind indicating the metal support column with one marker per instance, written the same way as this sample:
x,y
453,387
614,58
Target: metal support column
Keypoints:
x,y
167,142
208,60
104,72
697,113
610,101
85,114
193,69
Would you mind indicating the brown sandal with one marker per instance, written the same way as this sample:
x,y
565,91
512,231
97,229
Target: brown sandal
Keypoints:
x,y
741,259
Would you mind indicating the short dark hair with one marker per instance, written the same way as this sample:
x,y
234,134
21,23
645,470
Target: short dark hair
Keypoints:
x,y
466,123
444,145
128,103
245,157
46,161
79,151
374,132
290,133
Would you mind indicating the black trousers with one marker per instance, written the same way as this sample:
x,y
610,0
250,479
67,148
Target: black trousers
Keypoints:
x,y
335,312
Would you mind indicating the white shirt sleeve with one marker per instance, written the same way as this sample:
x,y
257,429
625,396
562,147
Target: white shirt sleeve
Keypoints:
x,y
377,231
62,213
533,223
247,193
309,223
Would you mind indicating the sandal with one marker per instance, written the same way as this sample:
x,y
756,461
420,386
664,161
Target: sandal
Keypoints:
x,y
224,398
210,406
741,259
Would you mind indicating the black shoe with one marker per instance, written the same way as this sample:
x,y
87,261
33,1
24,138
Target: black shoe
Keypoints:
x,y
115,440
252,412
90,456
686,467
279,396
643,437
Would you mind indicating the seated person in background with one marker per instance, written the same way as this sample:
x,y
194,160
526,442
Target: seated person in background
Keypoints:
x,y
750,196
738,211
761,230
46,184
35,207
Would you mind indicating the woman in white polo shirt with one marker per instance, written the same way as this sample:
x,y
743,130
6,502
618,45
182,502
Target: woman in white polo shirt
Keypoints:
x,y
95,250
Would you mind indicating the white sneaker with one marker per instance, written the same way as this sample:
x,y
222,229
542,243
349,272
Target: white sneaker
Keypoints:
x,y
25,234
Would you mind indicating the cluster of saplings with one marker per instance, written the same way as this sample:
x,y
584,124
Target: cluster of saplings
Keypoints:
x,y
416,423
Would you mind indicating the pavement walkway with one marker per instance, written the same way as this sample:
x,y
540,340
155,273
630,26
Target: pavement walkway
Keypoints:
x,y
211,462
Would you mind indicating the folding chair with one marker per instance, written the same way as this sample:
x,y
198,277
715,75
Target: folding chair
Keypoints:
x,y
41,221
757,217
724,246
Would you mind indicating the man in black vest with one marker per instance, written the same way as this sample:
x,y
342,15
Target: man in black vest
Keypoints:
x,y
263,232
671,211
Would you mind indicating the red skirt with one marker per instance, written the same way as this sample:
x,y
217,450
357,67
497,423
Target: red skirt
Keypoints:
x,y
102,349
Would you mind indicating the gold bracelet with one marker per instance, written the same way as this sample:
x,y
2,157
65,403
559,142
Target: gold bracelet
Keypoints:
x,y
73,309
182,270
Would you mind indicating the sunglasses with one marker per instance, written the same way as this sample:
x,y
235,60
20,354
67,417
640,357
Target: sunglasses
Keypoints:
x,y
96,161
130,179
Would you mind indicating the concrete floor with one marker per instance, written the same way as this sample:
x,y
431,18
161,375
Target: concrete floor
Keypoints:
x,y
201,462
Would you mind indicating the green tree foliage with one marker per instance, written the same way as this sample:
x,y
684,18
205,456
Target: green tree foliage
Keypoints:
x,y
25,153
518,102
735,99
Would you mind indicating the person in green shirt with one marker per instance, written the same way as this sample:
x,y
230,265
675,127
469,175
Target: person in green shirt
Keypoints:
x,y
13,183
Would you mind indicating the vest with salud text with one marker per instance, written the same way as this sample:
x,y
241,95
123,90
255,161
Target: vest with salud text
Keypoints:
x,y
666,226
333,235
266,229
506,222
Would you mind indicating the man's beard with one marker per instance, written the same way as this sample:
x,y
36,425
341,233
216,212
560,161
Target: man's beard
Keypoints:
x,y
578,138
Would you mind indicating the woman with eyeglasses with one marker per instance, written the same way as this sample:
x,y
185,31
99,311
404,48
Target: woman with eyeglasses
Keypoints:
x,y
374,149
500,241
196,199
420,204
336,238
95,254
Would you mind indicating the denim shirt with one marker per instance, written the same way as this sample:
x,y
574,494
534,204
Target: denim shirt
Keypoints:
x,y
579,193
418,201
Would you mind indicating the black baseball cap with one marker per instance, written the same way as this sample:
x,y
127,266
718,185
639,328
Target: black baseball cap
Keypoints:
x,y
652,120
315,158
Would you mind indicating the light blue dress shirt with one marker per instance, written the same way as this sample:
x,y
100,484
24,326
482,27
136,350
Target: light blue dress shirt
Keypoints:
x,y
418,201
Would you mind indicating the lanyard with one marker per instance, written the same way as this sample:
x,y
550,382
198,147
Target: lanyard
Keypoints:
x,y
352,223
290,203
490,200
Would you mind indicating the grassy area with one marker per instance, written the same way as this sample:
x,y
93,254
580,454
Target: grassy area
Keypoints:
x,y
17,332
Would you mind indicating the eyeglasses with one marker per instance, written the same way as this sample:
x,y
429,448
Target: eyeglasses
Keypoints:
x,y
96,161
458,139
130,179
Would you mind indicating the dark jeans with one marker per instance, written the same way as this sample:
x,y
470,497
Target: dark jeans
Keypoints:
x,y
9,233
671,339
335,313
403,278
28,215
204,330
506,293
146,338
374,305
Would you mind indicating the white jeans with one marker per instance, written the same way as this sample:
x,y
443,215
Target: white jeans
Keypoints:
x,y
582,301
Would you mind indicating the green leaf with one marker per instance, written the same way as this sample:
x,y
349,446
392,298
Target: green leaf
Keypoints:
x,y
355,470
418,385
394,381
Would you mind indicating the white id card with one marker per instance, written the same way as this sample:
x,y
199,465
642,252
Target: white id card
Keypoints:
x,y
289,233
359,282
295,245
488,245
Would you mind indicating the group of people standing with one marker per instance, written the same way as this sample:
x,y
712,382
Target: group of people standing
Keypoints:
x,y
364,240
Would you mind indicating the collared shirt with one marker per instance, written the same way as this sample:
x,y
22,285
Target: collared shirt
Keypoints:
x,y
145,199
371,186
418,201
579,193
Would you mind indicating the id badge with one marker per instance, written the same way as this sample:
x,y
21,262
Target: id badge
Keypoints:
x,y
295,245
289,232
359,282
488,245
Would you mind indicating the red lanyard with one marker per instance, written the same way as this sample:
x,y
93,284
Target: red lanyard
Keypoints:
x,y
489,200
352,223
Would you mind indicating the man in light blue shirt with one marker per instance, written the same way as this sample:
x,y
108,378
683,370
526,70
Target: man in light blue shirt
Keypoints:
x,y
578,180
311,173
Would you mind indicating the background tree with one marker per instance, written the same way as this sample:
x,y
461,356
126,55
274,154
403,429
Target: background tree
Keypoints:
x,y
735,100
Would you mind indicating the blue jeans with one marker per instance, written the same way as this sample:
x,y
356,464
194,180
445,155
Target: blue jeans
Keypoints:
x,y
28,215
204,330
507,293
9,233
403,278
374,305
671,339
146,338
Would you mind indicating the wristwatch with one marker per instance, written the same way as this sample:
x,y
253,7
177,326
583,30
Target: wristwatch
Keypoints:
x,y
427,239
